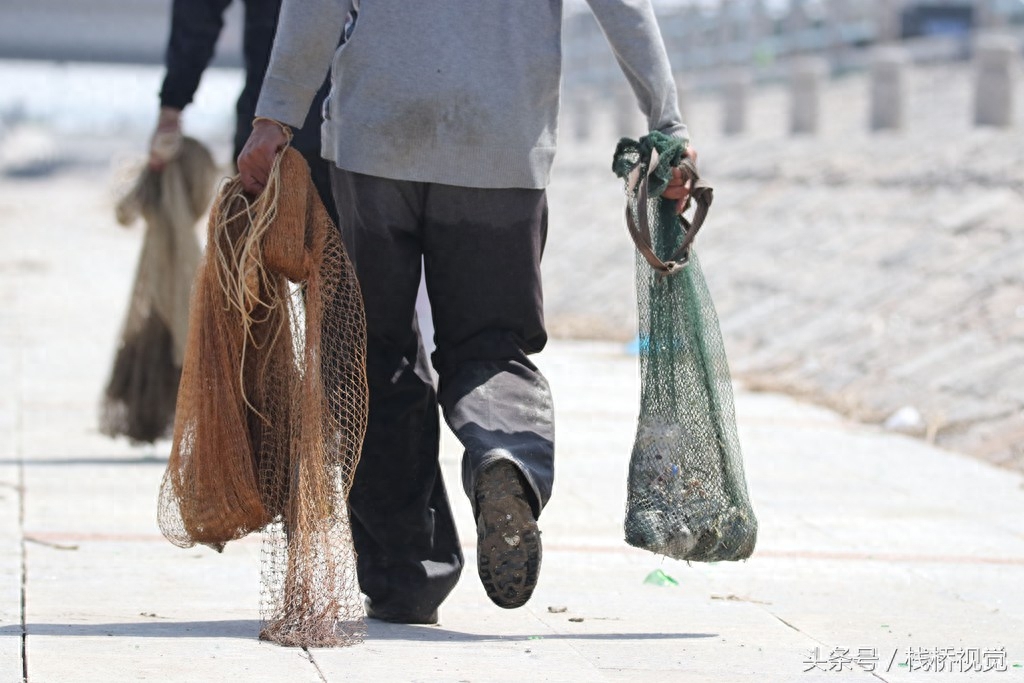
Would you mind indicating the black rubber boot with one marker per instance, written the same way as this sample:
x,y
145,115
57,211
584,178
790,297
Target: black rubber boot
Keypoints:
x,y
508,550
399,617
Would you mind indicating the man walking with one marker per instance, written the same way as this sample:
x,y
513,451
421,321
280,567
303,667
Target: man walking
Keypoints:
x,y
440,130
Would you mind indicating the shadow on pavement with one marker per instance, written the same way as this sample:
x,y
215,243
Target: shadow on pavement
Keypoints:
x,y
249,629
382,631
112,460
155,628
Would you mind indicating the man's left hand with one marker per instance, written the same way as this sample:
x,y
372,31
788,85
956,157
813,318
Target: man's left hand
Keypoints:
x,y
679,187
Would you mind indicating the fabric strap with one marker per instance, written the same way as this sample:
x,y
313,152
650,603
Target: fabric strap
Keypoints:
x,y
639,228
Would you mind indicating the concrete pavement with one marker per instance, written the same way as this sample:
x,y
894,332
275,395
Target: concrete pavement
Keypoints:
x,y
876,551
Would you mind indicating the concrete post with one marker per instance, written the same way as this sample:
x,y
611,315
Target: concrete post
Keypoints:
x,y
805,85
796,18
723,21
888,88
629,122
887,20
989,16
996,62
682,96
735,93
760,21
761,28
582,115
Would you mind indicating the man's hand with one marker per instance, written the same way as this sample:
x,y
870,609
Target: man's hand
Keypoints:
x,y
166,140
257,157
679,187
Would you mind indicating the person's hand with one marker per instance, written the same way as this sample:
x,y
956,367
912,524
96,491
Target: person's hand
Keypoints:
x,y
679,187
268,137
166,140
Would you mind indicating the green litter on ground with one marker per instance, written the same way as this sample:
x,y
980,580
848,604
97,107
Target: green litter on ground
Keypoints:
x,y
660,578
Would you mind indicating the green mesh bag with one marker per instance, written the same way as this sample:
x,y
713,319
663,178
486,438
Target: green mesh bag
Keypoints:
x,y
687,495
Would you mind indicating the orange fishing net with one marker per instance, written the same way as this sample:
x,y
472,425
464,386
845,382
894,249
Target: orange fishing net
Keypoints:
x,y
272,405
143,385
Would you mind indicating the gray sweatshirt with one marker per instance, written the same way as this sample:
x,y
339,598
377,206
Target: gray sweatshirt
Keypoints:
x,y
458,92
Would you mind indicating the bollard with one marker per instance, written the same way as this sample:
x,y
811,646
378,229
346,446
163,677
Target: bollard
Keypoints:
x,y
805,86
996,58
682,96
886,15
582,115
735,93
888,68
628,120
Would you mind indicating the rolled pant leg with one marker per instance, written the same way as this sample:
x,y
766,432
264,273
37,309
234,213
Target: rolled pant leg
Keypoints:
x,y
482,252
409,557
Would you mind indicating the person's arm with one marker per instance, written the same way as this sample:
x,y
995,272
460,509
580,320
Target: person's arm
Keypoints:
x,y
632,31
195,28
307,36
308,32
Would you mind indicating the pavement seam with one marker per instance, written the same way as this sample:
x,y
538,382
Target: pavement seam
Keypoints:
x,y
319,672
597,669
875,674
820,642
19,454
24,567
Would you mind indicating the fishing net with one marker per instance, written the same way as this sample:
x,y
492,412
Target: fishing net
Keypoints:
x,y
687,495
272,405
143,386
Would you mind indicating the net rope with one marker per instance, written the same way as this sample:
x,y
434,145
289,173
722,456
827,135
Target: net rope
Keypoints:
x,y
142,389
272,405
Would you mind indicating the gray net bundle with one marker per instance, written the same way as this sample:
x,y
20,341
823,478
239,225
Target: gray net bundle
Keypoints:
x,y
687,494
142,390
272,405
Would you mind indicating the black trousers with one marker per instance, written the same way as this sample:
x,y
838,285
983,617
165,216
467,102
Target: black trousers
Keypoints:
x,y
481,249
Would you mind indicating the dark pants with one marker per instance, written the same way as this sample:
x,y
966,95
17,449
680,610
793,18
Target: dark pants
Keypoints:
x,y
481,250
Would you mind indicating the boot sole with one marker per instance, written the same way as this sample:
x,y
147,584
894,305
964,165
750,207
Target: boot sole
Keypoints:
x,y
508,544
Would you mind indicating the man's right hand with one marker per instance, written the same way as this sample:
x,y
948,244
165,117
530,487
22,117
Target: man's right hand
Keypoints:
x,y
257,157
679,186
166,139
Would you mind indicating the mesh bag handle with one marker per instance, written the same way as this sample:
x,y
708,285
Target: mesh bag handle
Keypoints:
x,y
639,228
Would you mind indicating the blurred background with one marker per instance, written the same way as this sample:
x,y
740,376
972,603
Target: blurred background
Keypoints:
x,y
865,250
